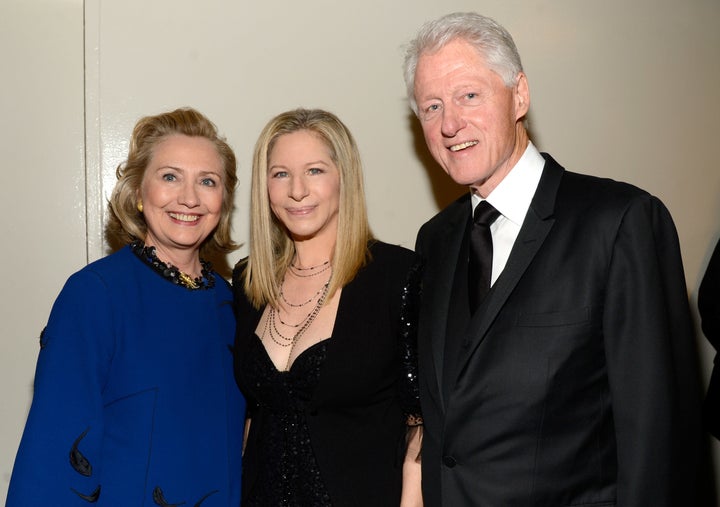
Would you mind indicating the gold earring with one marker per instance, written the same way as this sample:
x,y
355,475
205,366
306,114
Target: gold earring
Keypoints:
x,y
139,206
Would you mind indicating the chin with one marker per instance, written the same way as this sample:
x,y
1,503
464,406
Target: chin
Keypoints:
x,y
463,179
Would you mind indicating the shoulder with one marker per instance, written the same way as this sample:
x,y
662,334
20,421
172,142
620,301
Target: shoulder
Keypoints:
x,y
584,202
222,285
607,199
110,271
238,274
387,266
605,188
586,187
388,259
577,193
386,252
245,312
458,209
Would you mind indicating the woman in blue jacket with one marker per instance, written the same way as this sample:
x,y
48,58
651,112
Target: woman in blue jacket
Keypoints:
x,y
135,401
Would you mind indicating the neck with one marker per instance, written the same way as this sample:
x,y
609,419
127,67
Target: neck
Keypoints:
x,y
309,253
186,261
485,187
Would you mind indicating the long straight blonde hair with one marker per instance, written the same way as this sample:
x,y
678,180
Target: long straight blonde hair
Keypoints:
x,y
271,248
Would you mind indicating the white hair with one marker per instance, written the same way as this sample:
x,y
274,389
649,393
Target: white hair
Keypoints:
x,y
490,39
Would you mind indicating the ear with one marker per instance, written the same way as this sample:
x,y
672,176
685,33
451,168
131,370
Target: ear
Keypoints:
x,y
522,96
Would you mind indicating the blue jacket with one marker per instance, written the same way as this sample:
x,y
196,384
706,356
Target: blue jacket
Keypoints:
x,y
135,403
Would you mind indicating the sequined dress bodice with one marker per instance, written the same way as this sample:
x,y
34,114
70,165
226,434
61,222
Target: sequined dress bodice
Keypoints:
x,y
288,473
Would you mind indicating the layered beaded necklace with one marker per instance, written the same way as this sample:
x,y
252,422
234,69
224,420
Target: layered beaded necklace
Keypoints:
x,y
170,272
310,271
271,322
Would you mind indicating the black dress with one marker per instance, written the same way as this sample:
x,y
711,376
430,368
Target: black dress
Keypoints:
x,y
287,462
331,430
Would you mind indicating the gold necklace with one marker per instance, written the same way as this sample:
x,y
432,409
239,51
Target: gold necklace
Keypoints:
x,y
188,281
270,329
172,273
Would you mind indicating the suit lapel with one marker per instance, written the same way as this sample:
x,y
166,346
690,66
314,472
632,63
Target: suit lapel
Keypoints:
x,y
535,228
438,287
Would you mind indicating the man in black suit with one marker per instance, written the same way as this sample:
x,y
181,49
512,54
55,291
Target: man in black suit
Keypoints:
x,y
574,380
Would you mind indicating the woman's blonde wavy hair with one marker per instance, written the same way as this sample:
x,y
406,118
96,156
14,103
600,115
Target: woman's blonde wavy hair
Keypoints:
x,y
126,223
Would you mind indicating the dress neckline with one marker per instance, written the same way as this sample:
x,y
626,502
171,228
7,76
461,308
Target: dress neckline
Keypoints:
x,y
307,351
206,280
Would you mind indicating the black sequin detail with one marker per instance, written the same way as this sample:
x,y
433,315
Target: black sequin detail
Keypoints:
x,y
287,474
409,391
170,272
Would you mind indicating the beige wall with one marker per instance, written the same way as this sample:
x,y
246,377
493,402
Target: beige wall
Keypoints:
x,y
42,188
620,89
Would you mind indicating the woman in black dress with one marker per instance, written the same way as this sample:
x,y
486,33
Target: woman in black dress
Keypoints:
x,y
320,351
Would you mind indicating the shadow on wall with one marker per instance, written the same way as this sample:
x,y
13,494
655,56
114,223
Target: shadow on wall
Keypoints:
x,y
444,189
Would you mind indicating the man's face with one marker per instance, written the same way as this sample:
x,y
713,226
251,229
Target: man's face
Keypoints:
x,y
472,122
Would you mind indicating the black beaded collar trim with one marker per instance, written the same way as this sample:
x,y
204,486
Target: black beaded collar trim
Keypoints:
x,y
147,254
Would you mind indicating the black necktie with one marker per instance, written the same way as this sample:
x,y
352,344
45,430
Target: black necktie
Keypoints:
x,y
481,253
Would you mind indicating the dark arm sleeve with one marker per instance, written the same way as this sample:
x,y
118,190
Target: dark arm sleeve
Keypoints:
x,y
651,361
410,304
709,299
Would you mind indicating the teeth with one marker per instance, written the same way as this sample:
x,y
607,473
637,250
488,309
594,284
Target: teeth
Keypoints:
x,y
184,218
462,146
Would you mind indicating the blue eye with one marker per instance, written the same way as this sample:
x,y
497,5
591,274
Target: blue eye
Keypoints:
x,y
315,170
169,177
209,182
278,174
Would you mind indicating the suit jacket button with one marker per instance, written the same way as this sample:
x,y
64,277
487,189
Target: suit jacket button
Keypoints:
x,y
449,461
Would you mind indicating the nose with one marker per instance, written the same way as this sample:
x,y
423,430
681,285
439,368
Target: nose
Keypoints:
x,y
452,120
298,188
188,195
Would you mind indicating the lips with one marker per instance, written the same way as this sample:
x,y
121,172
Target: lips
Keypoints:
x,y
300,211
462,146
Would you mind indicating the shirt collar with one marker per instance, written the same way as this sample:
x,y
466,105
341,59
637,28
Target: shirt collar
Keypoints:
x,y
513,195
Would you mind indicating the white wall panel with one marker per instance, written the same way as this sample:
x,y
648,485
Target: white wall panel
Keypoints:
x,y
42,188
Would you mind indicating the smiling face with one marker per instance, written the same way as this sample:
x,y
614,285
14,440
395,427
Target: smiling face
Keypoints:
x,y
304,186
182,195
471,120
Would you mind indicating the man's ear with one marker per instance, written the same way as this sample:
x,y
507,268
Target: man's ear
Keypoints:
x,y
521,95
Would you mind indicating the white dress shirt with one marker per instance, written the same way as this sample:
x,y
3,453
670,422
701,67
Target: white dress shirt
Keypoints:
x,y
512,199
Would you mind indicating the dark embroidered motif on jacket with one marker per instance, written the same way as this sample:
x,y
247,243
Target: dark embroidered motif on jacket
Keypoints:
x,y
159,498
205,498
91,498
82,466
77,460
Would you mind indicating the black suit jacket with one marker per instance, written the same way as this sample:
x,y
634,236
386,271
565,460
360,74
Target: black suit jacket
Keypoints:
x,y
575,382
709,307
